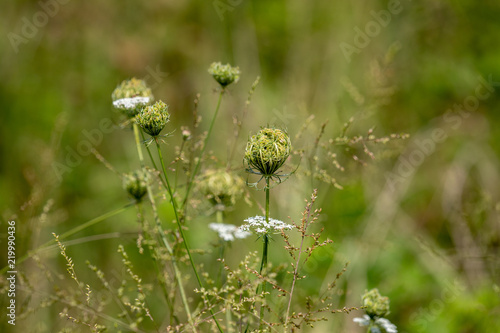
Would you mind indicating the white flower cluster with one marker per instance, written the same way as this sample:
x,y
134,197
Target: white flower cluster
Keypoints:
x,y
379,322
228,232
259,225
131,102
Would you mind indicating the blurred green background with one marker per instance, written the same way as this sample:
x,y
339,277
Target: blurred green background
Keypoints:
x,y
420,221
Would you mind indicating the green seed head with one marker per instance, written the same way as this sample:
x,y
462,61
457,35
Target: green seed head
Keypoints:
x,y
224,74
135,183
221,187
376,305
268,150
153,118
131,96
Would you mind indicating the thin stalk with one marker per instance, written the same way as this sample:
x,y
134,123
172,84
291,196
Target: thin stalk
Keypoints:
x,y
295,274
151,156
265,248
162,233
197,167
69,233
220,218
179,226
157,265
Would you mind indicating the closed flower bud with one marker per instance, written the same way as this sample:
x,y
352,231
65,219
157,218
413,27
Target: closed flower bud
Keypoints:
x,y
224,74
268,150
376,305
153,118
131,96
135,183
221,187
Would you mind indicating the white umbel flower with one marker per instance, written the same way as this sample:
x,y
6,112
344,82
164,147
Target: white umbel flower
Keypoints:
x,y
259,225
228,232
380,323
386,325
129,103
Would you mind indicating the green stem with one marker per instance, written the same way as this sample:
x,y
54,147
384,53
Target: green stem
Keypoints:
x,y
157,264
161,231
70,233
197,167
179,226
265,248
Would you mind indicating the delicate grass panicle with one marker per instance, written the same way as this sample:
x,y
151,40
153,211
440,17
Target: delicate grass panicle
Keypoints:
x,y
221,187
224,74
136,184
267,151
153,118
131,96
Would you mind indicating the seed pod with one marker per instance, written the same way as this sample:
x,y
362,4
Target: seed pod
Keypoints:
x,y
153,118
224,74
268,150
376,305
135,183
221,187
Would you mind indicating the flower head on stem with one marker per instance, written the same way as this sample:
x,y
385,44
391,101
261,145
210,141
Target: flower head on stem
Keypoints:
x,y
136,184
153,118
224,74
131,96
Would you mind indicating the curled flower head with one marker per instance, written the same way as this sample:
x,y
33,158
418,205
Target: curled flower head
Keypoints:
x,y
135,183
376,305
153,118
224,74
221,187
259,225
268,150
131,96
228,232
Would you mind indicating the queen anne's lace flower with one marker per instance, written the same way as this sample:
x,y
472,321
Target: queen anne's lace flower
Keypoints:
x,y
228,232
386,325
259,225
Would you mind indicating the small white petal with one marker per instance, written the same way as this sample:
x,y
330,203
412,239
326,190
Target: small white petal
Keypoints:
x,y
386,325
228,232
365,321
131,102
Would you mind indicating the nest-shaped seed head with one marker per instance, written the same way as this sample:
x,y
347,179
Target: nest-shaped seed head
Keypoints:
x,y
153,118
376,304
224,74
135,183
131,96
268,150
221,187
